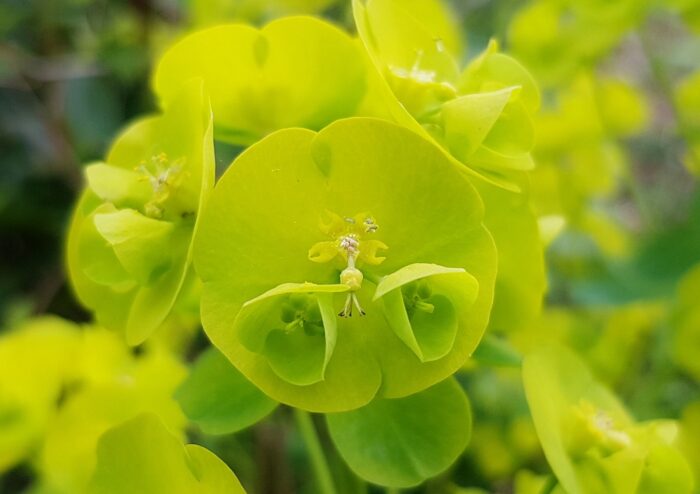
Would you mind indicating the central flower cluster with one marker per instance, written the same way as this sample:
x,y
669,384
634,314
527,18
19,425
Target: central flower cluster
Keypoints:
x,y
164,177
596,428
350,240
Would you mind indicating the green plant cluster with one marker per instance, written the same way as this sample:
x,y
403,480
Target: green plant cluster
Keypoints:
x,y
372,262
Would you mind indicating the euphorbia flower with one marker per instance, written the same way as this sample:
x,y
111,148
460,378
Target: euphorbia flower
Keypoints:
x,y
344,264
481,118
130,239
589,439
294,72
481,115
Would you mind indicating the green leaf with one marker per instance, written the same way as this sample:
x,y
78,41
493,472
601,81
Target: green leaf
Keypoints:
x,y
425,210
295,72
218,398
402,442
141,455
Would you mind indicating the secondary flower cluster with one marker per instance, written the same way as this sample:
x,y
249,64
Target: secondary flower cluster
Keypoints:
x,y
374,226
353,260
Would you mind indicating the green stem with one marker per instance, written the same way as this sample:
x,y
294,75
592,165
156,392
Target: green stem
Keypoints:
x,y
392,490
313,445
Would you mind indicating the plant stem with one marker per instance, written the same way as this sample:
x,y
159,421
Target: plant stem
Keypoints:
x,y
313,445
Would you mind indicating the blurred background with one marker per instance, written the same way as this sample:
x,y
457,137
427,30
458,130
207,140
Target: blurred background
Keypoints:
x,y
615,188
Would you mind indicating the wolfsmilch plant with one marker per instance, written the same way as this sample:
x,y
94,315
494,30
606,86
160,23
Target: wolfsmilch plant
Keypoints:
x,y
129,244
367,270
591,442
374,226
294,72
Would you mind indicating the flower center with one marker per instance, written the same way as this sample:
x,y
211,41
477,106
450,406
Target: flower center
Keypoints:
x,y
351,239
419,89
596,428
164,177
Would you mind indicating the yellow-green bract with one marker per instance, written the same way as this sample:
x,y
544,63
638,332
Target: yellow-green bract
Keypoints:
x,y
590,441
402,442
294,72
37,359
480,117
62,387
141,455
299,234
129,244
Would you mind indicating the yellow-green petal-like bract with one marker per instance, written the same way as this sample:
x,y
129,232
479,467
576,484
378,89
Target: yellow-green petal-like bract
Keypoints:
x,y
129,245
270,208
142,455
294,72
589,439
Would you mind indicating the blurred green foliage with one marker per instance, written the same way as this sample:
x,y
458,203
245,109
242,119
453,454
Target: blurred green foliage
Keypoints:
x,y
617,152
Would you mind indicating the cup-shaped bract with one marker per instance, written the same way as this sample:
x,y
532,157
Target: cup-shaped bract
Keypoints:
x,y
142,455
294,72
421,302
489,126
129,245
589,439
299,233
294,326
481,116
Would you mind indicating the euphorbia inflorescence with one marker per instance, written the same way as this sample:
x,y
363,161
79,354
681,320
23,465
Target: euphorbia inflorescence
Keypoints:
x,y
352,241
359,218
131,236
